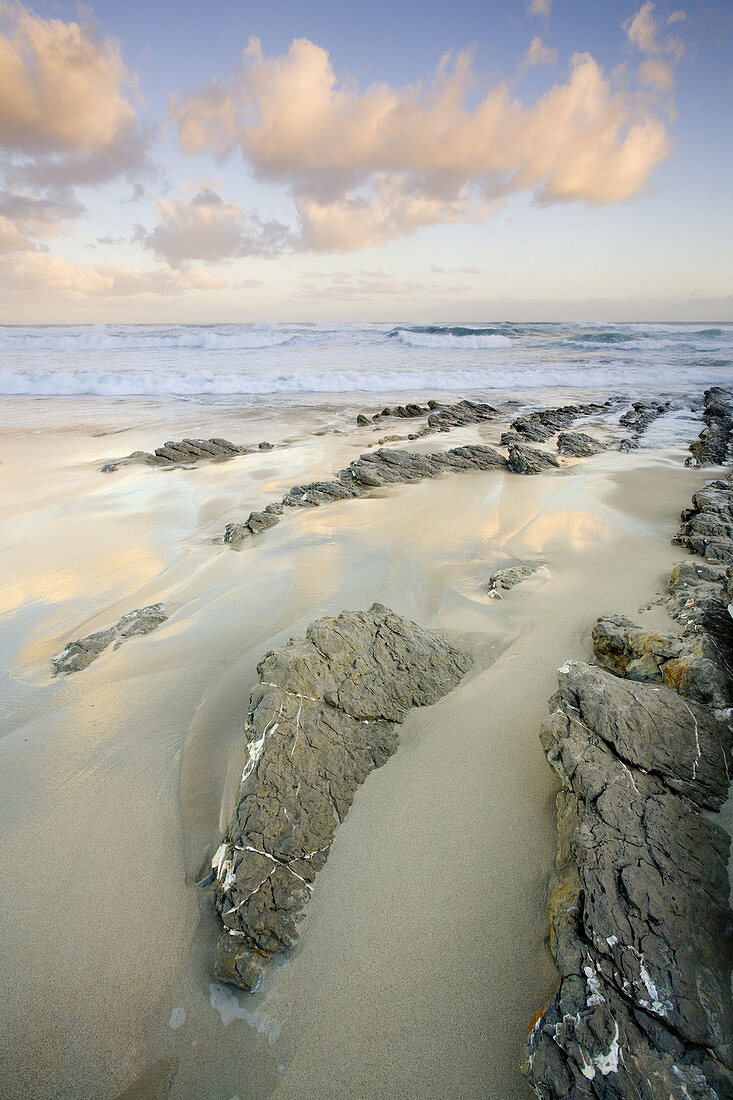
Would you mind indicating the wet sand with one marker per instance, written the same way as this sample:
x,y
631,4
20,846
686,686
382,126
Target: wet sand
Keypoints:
x,y
424,956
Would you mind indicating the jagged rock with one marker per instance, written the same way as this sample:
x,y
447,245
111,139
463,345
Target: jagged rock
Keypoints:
x,y
640,921
265,446
713,444
464,412
528,460
578,445
363,421
532,428
373,469
628,445
174,453
642,413
688,663
505,579
707,527
324,714
80,653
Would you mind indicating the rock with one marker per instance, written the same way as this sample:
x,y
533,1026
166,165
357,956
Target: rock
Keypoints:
x,y
464,412
80,653
713,444
324,714
640,922
642,413
174,453
527,460
688,663
578,445
531,428
505,579
363,421
707,527
640,918
370,470
265,446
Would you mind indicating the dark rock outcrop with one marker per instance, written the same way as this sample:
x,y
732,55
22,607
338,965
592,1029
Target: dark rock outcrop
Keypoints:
x,y
176,453
707,527
578,445
504,579
80,653
642,414
640,921
325,713
528,460
713,446
371,470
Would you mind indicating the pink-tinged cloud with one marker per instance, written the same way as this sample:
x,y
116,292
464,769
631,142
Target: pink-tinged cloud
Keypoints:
x,y
539,7
209,228
56,276
66,114
539,54
365,167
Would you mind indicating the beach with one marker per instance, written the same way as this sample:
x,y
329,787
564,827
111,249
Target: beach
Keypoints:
x,y
424,956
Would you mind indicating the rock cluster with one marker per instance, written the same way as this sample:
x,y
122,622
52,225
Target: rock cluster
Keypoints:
x,y
640,922
642,413
505,579
540,425
439,417
325,713
528,460
715,439
178,452
80,653
384,467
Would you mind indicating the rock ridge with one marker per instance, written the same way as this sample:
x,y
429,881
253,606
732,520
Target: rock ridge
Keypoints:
x,y
640,920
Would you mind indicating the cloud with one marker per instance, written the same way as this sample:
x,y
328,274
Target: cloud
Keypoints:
x,y
539,7
362,283
455,270
366,167
66,114
44,272
662,49
209,228
539,54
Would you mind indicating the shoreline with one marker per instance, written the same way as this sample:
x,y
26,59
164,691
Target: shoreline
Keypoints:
x,y
149,741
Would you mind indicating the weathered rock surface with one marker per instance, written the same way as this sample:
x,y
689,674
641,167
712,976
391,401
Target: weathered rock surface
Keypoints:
x,y
538,426
688,662
174,453
371,470
578,445
707,527
640,921
439,417
528,460
713,445
325,713
504,579
642,413
80,653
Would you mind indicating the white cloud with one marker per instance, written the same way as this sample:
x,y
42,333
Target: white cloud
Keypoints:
x,y
66,116
209,228
539,7
33,271
539,54
365,167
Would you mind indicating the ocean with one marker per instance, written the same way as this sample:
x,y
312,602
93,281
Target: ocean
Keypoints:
x,y
273,363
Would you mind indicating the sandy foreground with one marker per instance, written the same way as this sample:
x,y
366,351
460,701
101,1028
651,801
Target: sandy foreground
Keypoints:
x,y
424,957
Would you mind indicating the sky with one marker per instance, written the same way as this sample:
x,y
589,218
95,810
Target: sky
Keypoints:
x,y
310,160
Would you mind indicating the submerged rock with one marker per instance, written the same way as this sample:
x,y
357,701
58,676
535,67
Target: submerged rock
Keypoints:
x,y
325,713
505,579
713,445
642,414
80,653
